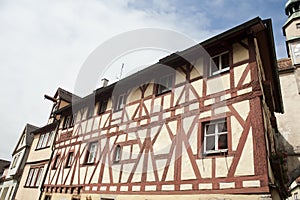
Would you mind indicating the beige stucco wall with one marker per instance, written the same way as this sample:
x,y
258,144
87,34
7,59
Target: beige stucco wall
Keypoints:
x,y
291,30
28,193
37,155
287,123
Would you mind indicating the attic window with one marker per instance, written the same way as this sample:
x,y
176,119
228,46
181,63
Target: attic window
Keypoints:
x,y
298,25
165,84
219,64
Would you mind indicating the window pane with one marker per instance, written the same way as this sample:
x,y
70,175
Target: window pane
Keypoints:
x,y
29,177
222,143
39,176
210,143
70,159
92,153
210,129
222,127
51,136
35,173
40,141
45,140
118,153
225,61
215,64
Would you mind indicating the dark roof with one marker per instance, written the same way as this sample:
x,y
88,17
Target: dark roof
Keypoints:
x,y
263,30
285,64
46,128
66,95
29,128
3,164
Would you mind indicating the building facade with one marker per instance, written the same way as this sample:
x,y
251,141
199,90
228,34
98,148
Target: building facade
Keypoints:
x,y
289,71
41,150
204,128
19,157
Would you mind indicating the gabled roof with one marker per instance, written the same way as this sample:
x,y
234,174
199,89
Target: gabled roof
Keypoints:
x,y
29,128
66,95
3,165
262,29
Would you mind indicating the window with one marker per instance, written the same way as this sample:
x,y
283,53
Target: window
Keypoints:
x,y
45,140
47,197
298,25
120,102
117,154
102,106
296,196
91,153
165,84
215,136
68,122
15,161
56,162
70,159
34,177
90,112
219,63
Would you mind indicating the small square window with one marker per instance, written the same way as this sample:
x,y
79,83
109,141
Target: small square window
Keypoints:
x,y
219,63
165,84
215,136
298,25
91,153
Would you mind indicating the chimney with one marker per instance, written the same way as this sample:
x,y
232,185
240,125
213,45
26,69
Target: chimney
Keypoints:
x,y
104,82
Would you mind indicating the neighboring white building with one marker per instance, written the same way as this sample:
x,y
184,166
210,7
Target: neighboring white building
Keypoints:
x,y
19,157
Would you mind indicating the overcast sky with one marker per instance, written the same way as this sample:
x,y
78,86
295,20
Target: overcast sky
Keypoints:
x,y
44,43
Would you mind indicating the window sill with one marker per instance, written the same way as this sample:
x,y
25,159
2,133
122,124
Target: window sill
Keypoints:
x,y
162,93
216,74
215,152
32,187
37,149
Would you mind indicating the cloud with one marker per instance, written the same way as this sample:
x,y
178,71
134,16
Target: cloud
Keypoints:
x,y
44,43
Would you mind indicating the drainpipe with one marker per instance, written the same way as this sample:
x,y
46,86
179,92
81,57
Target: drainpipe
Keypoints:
x,y
51,156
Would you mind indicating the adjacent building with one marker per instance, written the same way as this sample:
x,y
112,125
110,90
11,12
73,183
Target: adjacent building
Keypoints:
x,y
40,153
15,170
204,128
289,73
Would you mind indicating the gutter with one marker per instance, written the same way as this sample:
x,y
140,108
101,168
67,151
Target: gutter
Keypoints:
x,y
50,159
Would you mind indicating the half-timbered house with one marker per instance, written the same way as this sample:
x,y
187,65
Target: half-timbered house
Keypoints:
x,y
199,124
41,150
15,169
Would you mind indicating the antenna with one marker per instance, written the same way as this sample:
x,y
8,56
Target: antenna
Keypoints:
x,y
121,72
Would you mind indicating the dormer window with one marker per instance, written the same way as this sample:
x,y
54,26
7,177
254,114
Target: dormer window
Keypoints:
x,y
121,100
219,64
165,84
68,122
90,112
102,106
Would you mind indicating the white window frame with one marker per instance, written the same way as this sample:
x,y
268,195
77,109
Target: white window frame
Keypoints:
x,y
212,64
117,155
34,177
216,135
165,84
92,152
121,101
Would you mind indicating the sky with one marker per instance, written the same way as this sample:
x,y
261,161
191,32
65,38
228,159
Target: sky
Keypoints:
x,y
43,44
